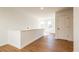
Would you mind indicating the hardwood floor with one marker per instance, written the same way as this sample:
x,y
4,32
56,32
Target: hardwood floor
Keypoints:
x,y
44,44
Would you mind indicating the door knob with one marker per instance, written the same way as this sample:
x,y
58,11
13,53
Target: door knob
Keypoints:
x,y
58,28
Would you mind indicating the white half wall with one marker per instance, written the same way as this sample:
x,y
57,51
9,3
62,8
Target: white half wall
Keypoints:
x,y
29,36
22,38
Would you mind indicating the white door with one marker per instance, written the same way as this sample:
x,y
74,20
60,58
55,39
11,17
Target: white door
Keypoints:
x,y
64,24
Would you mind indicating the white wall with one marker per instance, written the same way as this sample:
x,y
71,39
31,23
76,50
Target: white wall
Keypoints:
x,y
53,23
12,19
3,27
76,29
64,24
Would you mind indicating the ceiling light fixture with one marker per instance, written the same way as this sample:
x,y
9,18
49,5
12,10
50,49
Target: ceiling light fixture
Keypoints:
x,y
42,8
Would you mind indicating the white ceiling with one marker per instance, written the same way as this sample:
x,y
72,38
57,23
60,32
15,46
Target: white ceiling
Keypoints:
x,y
34,11
37,12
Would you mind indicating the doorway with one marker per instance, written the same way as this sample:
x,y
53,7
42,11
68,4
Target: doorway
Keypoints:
x,y
48,24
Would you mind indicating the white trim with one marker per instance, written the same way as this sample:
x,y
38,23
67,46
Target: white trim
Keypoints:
x,y
3,44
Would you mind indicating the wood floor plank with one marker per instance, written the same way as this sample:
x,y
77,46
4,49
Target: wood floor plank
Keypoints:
x,y
44,44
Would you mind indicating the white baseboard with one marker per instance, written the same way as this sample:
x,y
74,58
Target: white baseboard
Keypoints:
x,y
3,44
14,45
64,39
